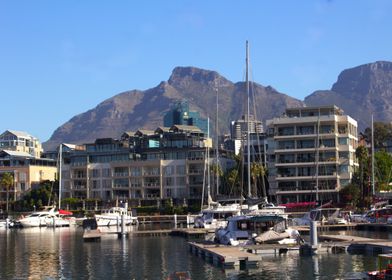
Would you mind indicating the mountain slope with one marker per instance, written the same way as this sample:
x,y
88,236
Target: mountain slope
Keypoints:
x,y
132,110
360,91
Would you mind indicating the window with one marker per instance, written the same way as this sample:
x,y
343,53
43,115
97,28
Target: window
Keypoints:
x,y
168,170
343,141
180,169
136,171
106,172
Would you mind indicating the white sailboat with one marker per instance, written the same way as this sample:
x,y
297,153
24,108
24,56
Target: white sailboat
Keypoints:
x,y
266,224
215,215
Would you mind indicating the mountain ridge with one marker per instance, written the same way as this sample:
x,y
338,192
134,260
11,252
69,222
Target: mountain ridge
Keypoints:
x,y
358,91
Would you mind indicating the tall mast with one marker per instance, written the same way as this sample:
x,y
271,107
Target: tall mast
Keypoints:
x,y
60,167
373,188
217,145
247,117
317,157
208,164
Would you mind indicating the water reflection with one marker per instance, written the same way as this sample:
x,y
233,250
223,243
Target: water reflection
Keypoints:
x,y
43,253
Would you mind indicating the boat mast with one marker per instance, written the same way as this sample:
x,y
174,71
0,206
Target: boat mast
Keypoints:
x,y
217,145
208,164
247,117
373,188
60,167
317,156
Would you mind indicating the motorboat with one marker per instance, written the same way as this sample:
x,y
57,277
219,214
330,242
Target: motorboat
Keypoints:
x,y
330,216
216,215
36,219
61,218
253,229
113,216
266,208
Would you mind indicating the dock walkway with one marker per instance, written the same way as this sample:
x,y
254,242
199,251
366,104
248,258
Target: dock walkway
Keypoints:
x,y
226,256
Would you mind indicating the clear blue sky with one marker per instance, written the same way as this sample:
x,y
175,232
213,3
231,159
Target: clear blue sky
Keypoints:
x,y
62,58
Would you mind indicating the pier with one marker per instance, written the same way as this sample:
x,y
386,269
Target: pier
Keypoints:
x,y
225,256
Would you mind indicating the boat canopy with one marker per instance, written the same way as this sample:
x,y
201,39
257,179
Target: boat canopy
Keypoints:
x,y
65,212
298,204
267,218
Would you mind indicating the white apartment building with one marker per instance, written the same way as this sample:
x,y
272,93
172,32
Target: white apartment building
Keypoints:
x,y
311,154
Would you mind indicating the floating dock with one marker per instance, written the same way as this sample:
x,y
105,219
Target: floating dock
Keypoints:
x,y
92,235
225,256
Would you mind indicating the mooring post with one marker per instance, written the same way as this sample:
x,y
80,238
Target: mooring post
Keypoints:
x,y
123,224
175,220
313,234
187,221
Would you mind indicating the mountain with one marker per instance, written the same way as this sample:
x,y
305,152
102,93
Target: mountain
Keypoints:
x,y
360,91
135,109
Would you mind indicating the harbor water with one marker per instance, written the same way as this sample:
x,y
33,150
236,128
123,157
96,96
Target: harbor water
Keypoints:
x,y
61,253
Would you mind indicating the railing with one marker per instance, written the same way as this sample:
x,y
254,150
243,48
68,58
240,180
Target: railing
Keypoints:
x,y
121,174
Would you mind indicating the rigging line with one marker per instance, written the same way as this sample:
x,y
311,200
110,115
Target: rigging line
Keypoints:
x,y
256,119
204,178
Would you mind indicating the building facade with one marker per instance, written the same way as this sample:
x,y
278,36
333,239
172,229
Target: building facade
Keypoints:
x,y
20,141
142,167
28,172
180,114
311,153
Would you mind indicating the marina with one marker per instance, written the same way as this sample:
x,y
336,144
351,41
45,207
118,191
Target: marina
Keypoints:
x,y
147,252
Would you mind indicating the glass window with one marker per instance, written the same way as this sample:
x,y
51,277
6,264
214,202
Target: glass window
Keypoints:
x,y
343,141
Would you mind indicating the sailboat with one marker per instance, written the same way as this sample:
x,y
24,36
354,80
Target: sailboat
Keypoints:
x,y
60,218
215,215
264,224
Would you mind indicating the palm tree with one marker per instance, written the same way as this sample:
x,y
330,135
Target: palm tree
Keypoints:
x,y
363,159
216,171
256,171
232,179
7,181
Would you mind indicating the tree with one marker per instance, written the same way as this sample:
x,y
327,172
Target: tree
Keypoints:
x,y
256,171
351,194
232,179
216,171
382,132
364,168
7,181
383,167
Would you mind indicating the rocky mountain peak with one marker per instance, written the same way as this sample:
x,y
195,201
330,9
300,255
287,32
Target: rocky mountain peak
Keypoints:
x,y
364,78
361,91
184,76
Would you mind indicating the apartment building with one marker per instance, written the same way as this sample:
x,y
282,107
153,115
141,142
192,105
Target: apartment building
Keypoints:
x,y
20,141
142,167
27,171
311,153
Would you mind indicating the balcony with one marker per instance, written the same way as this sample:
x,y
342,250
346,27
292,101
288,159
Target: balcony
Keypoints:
x,y
120,174
120,186
195,171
